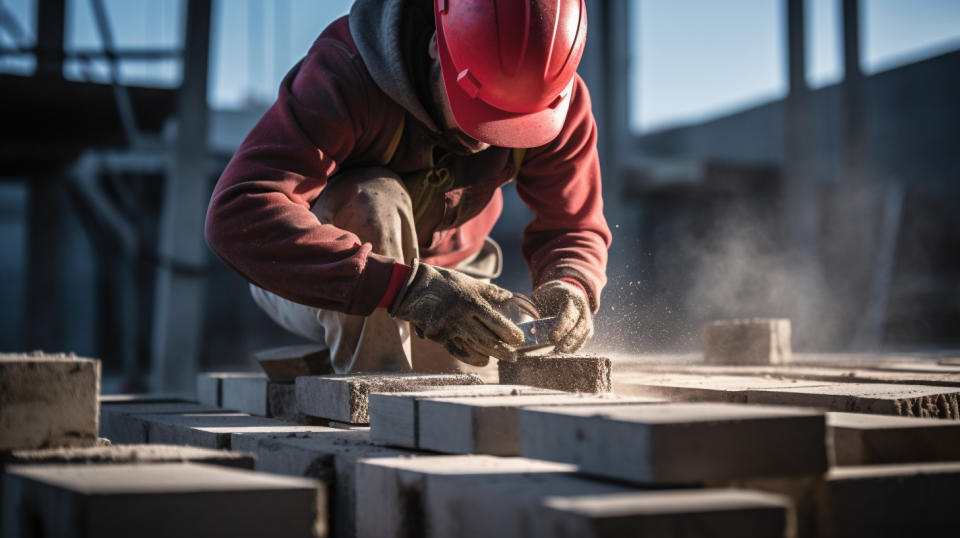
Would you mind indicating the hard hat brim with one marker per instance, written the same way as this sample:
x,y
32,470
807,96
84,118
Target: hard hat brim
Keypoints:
x,y
496,126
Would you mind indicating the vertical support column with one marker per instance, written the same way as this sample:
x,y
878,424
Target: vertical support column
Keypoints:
x,y
800,204
852,95
179,304
50,17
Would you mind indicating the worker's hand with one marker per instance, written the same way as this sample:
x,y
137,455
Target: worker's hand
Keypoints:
x,y
459,312
569,303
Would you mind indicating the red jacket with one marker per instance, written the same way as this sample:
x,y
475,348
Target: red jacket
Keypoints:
x,y
330,115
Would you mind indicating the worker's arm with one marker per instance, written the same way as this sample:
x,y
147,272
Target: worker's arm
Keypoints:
x,y
566,243
259,220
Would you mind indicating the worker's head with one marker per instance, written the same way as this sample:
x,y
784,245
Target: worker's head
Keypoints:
x,y
507,68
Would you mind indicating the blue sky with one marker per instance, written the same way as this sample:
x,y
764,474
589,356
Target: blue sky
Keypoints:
x,y
690,60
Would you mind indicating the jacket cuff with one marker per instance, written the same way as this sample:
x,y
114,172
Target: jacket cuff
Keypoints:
x,y
372,285
397,279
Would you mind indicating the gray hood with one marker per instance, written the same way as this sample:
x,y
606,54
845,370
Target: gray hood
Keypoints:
x,y
376,28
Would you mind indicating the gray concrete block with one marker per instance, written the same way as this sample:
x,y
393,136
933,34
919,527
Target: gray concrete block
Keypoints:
x,y
875,398
129,398
121,422
285,364
490,425
393,416
838,374
210,385
48,401
860,439
474,496
208,430
747,341
259,396
345,398
330,456
390,492
572,373
678,442
130,454
891,501
702,388
157,500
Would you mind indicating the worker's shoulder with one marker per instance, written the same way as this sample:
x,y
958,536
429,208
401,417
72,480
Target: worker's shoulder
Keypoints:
x,y
336,40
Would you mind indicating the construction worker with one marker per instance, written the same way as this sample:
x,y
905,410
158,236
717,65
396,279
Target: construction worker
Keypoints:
x,y
360,204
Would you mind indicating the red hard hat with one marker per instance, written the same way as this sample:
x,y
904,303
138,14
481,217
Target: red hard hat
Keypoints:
x,y
508,66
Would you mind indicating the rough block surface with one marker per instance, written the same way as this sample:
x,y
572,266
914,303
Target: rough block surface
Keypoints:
x,y
702,388
678,442
571,373
876,398
746,341
131,454
860,439
345,398
48,401
158,500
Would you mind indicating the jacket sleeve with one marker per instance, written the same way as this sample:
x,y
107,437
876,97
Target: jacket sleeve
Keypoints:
x,y
259,220
560,181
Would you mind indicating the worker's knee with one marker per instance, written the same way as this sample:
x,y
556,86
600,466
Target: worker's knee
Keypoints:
x,y
370,202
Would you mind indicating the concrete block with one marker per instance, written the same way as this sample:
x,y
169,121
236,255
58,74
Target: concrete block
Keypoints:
x,y
891,501
678,442
702,388
208,430
454,496
874,398
48,401
810,373
121,422
210,385
390,492
345,398
572,373
130,454
285,364
158,500
490,425
261,397
860,439
110,399
330,456
746,341
393,416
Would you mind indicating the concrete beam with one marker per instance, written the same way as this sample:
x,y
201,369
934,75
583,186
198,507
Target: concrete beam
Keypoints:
x,y
678,442
860,439
122,423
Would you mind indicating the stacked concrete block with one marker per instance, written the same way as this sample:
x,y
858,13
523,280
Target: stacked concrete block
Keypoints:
x,y
875,398
747,341
259,396
703,388
457,496
48,401
836,374
891,501
678,442
394,416
490,425
208,430
210,385
345,398
158,500
571,373
326,454
123,422
285,364
116,454
860,439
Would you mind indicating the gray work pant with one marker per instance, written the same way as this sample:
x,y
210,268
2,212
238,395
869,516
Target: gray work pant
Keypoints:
x,y
373,204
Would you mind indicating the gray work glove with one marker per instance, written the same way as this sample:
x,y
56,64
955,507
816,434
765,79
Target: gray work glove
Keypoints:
x,y
459,312
568,302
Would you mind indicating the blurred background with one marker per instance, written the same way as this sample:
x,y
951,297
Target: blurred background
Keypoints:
x,y
783,158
